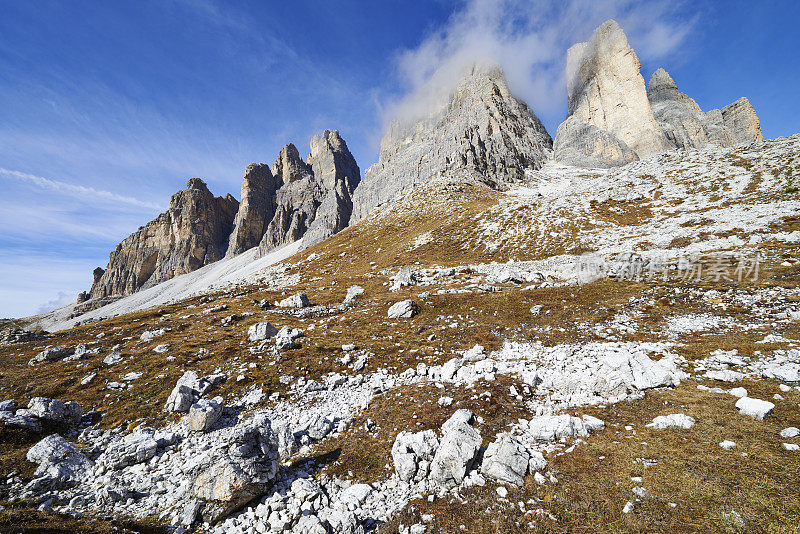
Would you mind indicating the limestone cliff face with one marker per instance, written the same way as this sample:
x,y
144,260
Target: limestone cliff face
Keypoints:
x,y
685,125
315,200
256,209
742,123
483,132
291,200
192,233
609,121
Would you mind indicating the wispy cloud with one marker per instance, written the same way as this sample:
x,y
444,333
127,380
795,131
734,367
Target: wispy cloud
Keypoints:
x,y
61,299
80,191
529,39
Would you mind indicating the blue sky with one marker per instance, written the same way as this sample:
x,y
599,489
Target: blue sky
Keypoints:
x,y
109,107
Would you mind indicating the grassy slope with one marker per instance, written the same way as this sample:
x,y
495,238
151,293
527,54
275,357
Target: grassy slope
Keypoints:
x,y
693,471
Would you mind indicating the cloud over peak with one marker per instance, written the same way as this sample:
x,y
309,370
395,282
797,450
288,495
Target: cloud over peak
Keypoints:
x,y
529,39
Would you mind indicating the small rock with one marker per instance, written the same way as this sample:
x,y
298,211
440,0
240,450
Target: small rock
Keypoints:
x,y
298,300
790,432
113,358
675,420
405,309
444,402
353,292
756,408
628,508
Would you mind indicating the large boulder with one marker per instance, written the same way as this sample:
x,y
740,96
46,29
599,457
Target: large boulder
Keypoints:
x,y
236,470
55,411
52,354
261,331
190,388
506,460
287,337
298,300
405,309
457,451
60,463
203,414
609,120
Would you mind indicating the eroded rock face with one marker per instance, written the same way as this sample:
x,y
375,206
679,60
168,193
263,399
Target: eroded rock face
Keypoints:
x,y
315,200
741,121
192,233
291,200
685,125
255,210
609,120
483,132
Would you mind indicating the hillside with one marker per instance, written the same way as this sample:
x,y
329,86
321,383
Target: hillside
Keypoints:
x,y
511,334
501,270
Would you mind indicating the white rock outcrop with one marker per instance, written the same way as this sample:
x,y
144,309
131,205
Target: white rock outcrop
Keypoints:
x,y
755,408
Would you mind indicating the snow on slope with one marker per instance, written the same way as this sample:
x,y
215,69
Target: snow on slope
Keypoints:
x,y
242,268
685,202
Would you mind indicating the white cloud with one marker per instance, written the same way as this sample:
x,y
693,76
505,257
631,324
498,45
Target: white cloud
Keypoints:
x,y
529,39
60,300
37,282
87,193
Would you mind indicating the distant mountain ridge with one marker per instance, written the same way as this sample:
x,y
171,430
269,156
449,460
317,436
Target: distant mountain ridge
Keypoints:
x,y
483,133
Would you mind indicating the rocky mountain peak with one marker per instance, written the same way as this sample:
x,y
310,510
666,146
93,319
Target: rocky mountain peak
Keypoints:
x,y
196,183
192,233
318,204
609,120
289,166
684,124
482,132
662,87
742,122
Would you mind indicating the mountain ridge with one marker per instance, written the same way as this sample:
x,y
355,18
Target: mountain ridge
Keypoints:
x,y
481,133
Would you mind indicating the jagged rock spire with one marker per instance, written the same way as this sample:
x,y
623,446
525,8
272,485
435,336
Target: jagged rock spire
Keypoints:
x,y
609,120
483,132
289,166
